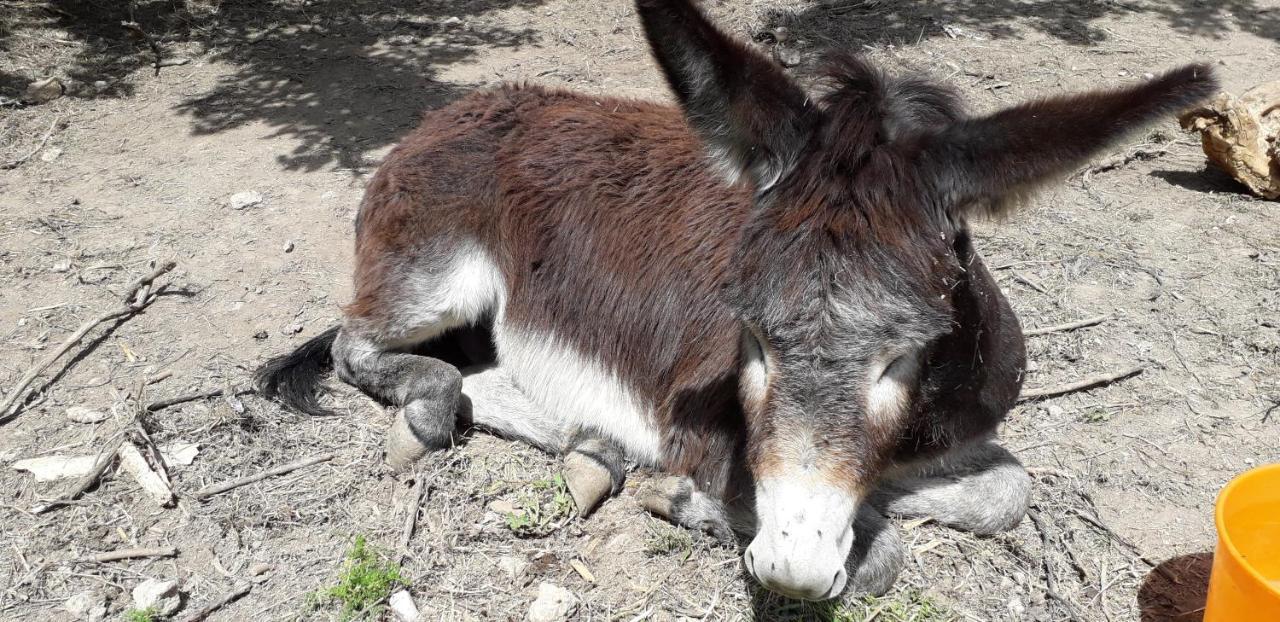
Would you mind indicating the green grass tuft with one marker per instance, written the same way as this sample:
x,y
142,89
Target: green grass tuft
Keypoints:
x,y
140,615
666,539
365,583
906,605
540,507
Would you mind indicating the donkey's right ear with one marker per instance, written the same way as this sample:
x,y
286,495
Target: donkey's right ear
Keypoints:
x,y
754,120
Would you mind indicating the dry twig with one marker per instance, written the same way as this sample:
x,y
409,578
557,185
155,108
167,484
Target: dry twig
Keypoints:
x,y
43,141
140,288
1059,328
209,491
111,556
1079,385
1050,581
191,397
411,518
222,601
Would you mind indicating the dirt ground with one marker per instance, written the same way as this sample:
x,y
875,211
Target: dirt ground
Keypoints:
x,y
298,99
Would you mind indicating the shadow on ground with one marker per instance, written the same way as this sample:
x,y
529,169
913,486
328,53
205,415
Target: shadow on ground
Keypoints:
x,y
342,77
1175,591
338,77
904,22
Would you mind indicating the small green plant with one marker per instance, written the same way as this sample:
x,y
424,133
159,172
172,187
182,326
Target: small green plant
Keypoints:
x,y
364,584
665,539
1095,414
140,615
540,507
902,606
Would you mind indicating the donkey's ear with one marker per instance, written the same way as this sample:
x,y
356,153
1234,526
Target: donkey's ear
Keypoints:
x,y
754,120
979,163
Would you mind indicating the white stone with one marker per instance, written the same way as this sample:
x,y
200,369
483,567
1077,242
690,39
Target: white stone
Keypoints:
x,y
513,566
48,468
160,596
87,606
50,154
83,414
553,604
249,198
402,606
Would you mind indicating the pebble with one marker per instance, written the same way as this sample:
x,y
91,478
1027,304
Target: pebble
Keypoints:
x,y
262,334
242,200
87,606
288,246
160,596
553,604
42,91
63,265
293,329
50,154
82,414
513,566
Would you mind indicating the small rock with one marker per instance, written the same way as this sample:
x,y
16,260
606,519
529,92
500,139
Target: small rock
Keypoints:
x,y
513,566
288,246
451,21
48,468
50,154
81,414
259,569
101,85
87,606
787,57
260,335
1055,410
179,454
553,604
242,200
42,91
293,328
502,506
402,606
1148,76
63,265
160,596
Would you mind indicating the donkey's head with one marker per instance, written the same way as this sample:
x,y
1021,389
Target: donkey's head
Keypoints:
x,y
845,277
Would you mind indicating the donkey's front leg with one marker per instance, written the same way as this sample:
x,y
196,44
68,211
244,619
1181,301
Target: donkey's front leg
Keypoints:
x,y
677,499
980,488
877,555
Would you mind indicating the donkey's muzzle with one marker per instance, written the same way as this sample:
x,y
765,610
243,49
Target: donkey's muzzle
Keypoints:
x,y
805,533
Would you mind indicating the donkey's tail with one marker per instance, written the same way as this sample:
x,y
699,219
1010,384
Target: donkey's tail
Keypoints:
x,y
293,379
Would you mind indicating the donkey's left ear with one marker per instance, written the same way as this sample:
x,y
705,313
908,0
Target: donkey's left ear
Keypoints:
x,y
754,120
979,163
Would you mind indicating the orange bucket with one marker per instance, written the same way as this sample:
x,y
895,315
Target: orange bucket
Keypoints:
x,y
1245,583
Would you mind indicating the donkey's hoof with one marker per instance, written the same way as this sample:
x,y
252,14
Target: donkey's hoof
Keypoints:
x,y
659,497
403,446
589,481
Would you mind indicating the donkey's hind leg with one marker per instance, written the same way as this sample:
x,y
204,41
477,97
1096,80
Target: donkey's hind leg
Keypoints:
x,y
593,467
980,488
426,389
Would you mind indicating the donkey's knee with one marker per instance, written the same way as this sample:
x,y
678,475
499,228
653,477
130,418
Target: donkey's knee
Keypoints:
x,y
427,389
983,489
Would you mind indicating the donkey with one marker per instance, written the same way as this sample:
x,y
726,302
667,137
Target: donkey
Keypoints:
x,y
772,298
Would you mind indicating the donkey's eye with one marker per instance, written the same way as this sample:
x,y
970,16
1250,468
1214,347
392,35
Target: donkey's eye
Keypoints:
x,y
903,368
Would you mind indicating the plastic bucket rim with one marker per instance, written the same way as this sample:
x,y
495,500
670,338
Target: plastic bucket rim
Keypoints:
x,y
1224,536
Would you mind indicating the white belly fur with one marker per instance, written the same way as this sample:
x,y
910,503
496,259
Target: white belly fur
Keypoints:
x,y
577,391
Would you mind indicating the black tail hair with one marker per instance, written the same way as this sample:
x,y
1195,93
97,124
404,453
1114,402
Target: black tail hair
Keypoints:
x,y
294,379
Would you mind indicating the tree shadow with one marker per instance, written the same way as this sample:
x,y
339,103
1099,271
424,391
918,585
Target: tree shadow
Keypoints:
x,y
1175,591
339,77
849,23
